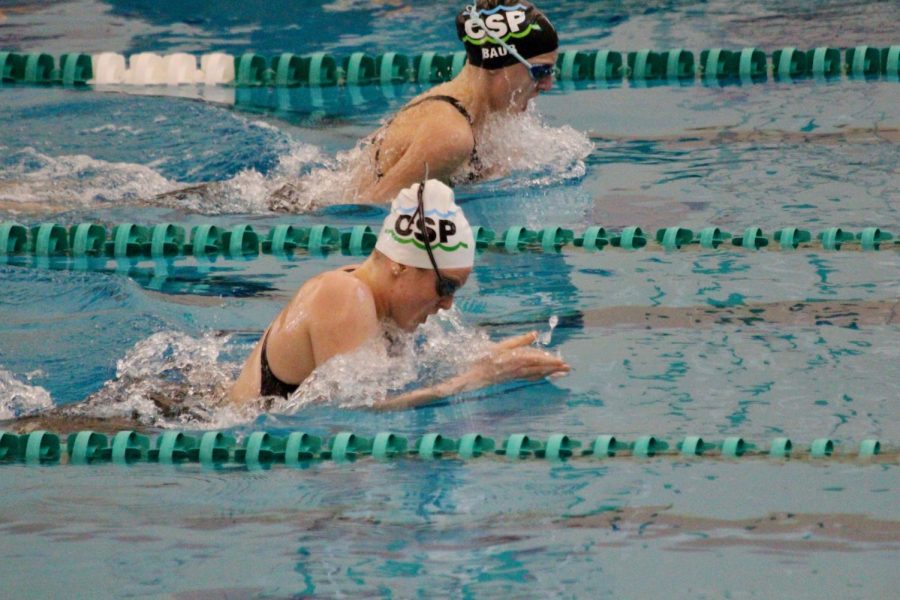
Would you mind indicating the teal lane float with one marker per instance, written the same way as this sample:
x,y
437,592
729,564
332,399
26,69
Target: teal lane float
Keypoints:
x,y
243,242
322,69
263,449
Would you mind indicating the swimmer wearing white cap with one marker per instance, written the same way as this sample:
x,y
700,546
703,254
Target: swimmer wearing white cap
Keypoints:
x,y
423,256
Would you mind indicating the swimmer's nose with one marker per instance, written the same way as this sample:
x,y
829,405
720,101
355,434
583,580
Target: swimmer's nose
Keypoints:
x,y
545,84
446,302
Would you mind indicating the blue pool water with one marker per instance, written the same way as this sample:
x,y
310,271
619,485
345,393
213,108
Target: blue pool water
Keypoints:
x,y
695,342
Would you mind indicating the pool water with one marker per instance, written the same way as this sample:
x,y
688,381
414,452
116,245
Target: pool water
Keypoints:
x,y
712,343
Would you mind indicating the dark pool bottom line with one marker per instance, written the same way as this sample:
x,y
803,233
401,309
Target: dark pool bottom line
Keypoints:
x,y
262,449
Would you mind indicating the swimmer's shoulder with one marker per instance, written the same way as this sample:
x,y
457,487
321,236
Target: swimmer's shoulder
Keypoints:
x,y
335,291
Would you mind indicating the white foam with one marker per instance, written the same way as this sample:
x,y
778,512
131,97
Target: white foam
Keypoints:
x,y
30,176
168,380
18,399
537,153
438,349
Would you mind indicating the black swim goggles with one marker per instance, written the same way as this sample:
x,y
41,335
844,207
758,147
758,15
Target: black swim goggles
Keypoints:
x,y
445,286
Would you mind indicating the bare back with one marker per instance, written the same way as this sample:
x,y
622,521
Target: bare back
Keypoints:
x,y
330,314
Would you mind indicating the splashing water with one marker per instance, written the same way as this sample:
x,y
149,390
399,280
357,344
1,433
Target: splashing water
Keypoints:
x,y
522,150
168,380
536,153
438,349
18,399
545,338
30,177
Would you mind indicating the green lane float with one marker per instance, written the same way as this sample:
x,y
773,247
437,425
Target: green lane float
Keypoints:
x,y
318,69
347,446
13,239
483,236
890,61
128,240
473,445
789,63
173,447
431,67
434,445
9,446
359,241
50,239
835,237
552,239
77,69
863,61
870,238
821,448
712,237
753,238
824,62
39,447
606,446
678,64
752,64
243,242
39,68
558,447
166,240
250,70
869,448
87,239
288,70
594,238
392,67
631,238
781,448
387,445
519,446
457,62
86,447
716,63
262,450
129,447
359,69
789,238
648,445
673,238
645,65
12,67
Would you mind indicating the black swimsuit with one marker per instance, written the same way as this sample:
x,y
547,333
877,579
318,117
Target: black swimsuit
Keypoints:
x,y
269,384
475,166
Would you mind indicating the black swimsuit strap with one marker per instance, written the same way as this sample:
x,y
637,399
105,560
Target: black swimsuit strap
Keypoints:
x,y
474,160
269,383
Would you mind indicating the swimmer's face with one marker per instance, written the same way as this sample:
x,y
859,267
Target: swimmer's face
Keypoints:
x,y
416,295
523,87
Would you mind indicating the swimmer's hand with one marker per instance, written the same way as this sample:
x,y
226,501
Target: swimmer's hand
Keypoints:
x,y
514,358
507,360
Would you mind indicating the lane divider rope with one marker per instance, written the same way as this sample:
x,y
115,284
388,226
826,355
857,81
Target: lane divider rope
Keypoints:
x,y
168,240
323,69
263,449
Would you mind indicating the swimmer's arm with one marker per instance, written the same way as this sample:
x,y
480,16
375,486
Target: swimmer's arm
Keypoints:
x,y
510,359
441,143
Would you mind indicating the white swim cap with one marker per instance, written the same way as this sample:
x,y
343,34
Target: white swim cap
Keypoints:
x,y
448,230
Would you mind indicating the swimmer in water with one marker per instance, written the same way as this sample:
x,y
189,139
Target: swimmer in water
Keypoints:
x,y
408,277
511,50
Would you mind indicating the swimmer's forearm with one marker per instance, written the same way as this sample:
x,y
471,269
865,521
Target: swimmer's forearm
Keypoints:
x,y
454,385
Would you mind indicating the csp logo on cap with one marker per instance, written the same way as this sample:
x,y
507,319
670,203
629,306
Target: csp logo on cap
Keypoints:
x,y
501,22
